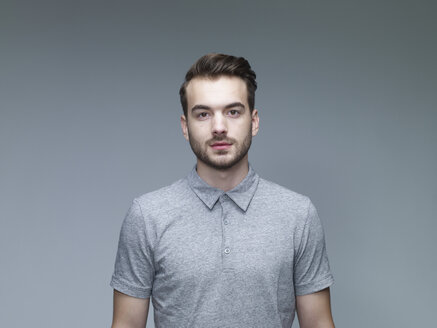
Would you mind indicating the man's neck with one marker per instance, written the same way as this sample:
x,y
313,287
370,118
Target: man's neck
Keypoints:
x,y
223,179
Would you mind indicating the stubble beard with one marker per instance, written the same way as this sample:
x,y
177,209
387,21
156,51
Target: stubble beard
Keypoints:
x,y
221,164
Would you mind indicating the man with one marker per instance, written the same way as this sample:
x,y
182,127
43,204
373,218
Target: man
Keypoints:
x,y
221,247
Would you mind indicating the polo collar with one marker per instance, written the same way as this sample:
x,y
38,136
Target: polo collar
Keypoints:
x,y
241,194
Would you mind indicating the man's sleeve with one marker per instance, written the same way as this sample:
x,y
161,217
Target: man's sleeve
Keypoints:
x,y
134,269
311,266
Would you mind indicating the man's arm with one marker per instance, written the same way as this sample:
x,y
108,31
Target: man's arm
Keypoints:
x,y
314,310
129,312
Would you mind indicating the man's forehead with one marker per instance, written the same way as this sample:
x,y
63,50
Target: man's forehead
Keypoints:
x,y
204,88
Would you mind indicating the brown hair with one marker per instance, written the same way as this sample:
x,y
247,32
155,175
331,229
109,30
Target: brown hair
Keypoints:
x,y
214,65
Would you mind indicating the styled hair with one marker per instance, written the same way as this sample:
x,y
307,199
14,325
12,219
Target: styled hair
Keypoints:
x,y
214,65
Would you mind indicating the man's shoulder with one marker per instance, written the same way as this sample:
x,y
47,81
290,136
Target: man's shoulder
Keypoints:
x,y
277,190
281,195
165,196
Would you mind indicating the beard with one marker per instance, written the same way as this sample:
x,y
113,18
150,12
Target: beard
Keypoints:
x,y
221,163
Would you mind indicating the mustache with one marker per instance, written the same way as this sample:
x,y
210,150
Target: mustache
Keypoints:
x,y
226,140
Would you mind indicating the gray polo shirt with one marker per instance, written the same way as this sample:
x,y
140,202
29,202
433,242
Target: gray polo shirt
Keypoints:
x,y
211,258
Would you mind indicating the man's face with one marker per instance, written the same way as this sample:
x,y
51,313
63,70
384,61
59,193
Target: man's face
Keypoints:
x,y
219,126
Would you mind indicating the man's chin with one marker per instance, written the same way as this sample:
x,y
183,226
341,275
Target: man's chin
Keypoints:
x,y
222,165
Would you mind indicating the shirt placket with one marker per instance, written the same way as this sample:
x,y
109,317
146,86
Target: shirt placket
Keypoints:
x,y
226,223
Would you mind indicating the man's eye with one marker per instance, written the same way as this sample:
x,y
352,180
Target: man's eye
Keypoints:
x,y
203,115
234,112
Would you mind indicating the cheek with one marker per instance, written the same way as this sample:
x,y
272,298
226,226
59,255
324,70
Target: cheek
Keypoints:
x,y
243,129
198,132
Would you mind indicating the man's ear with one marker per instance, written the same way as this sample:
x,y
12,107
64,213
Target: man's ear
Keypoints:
x,y
184,127
255,122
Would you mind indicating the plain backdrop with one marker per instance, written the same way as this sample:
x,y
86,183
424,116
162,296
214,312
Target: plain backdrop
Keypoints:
x,y
90,119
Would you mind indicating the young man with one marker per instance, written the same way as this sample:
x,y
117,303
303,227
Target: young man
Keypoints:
x,y
221,247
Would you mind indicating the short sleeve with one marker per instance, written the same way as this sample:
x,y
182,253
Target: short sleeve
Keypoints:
x,y
311,267
134,270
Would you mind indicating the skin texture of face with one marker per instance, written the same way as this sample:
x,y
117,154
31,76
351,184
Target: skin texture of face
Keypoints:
x,y
218,113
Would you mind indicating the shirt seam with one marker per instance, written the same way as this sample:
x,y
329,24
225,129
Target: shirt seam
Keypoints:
x,y
148,239
324,277
120,282
310,285
299,250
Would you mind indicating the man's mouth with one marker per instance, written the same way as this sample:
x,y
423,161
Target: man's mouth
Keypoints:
x,y
221,145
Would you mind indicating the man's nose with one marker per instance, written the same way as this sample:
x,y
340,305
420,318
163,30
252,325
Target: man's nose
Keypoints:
x,y
219,126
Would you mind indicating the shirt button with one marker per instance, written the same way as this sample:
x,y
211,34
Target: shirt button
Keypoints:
x,y
227,250
226,221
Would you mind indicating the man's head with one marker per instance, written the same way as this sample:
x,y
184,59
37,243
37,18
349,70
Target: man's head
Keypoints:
x,y
215,65
219,120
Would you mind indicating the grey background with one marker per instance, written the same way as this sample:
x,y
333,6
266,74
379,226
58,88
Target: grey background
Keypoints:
x,y
90,119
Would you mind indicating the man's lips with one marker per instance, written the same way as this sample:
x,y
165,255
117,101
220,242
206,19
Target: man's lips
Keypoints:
x,y
221,145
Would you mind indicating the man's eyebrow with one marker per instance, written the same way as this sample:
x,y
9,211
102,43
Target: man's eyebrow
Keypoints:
x,y
199,107
232,105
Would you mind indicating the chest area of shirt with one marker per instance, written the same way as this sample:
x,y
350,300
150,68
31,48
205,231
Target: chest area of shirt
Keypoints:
x,y
226,239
